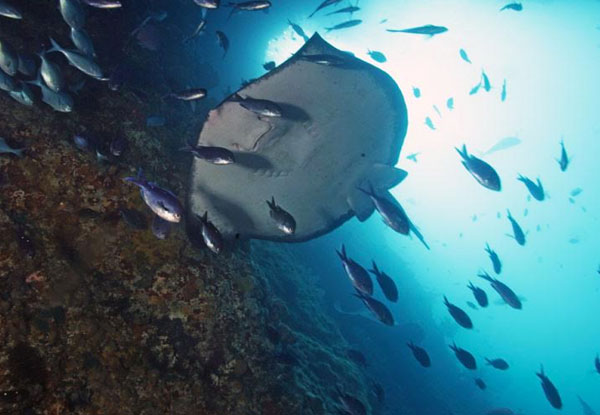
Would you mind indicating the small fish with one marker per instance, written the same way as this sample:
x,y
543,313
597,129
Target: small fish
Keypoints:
x,y
223,41
22,94
72,13
503,144
525,212
51,74
261,107
155,121
356,273
344,25
59,101
82,62
250,6
103,4
480,170
498,363
420,354
350,404
416,92
81,142
450,103
387,284
298,29
160,227
6,149
188,94
199,29
429,123
413,157
9,11
518,234
564,158
26,65
576,192
118,146
377,56
459,315
284,220
503,93
550,390
380,311
325,59
9,59
357,357
597,364
535,189
134,218
513,6
486,82
429,30
585,407
269,66
480,383
325,3
437,110
15,395
497,264
505,292
215,155
475,89
472,305
208,4
83,42
464,357
391,211
25,242
350,9
161,201
211,235
464,56
479,294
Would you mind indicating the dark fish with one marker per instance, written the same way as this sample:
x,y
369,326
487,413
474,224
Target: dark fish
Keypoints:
x,y
513,6
286,357
188,94
223,41
388,286
261,107
499,364
494,258
505,292
464,357
479,294
416,92
120,76
27,65
25,242
9,11
199,29
344,25
464,56
59,101
480,383
486,81
325,3
564,158
161,201
103,4
9,59
15,395
550,390
134,218
284,221
72,13
450,103
160,227
392,213
357,357
418,234
211,235
503,93
413,157
349,9
118,146
215,155
350,404
80,61
298,29
420,354
155,121
535,189
358,275
208,4
269,66
518,234
597,364
503,144
87,213
459,315
585,407
430,30
382,313
377,56
480,170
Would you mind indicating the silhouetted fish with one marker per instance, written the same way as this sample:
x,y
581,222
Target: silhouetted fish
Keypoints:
x,y
518,234
464,56
386,283
499,364
550,390
480,383
459,315
344,25
503,93
351,405
358,275
392,212
480,170
564,158
494,258
382,313
597,363
325,3
479,294
211,235
298,29
585,407
464,357
357,357
420,354
505,292
513,6
430,30
535,189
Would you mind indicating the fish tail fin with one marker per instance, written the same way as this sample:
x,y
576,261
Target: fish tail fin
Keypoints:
x,y
18,152
471,286
521,178
375,270
410,345
508,213
342,253
485,276
488,361
55,46
135,180
487,248
446,302
462,151
271,202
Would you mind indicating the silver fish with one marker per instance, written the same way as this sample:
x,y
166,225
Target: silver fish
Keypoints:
x,y
103,4
325,3
349,9
360,278
23,94
188,94
223,41
6,82
480,170
51,73
392,213
430,30
72,13
211,235
207,4
9,11
5,148
261,107
298,29
78,60
9,60
83,42
161,201
215,155
59,101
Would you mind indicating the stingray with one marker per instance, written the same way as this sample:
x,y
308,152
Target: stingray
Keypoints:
x,y
342,127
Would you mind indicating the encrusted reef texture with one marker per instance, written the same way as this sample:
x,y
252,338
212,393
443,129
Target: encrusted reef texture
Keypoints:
x,y
97,316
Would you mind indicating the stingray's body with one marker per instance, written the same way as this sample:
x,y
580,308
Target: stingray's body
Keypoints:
x,y
342,128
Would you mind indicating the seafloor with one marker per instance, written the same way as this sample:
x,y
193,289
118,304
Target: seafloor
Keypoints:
x,y
99,317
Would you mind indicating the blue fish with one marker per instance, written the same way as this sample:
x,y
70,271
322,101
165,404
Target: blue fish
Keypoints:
x,y
429,123
450,103
464,56
416,92
155,121
161,201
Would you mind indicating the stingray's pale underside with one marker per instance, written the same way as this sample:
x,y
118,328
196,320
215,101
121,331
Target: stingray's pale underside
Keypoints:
x,y
342,128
